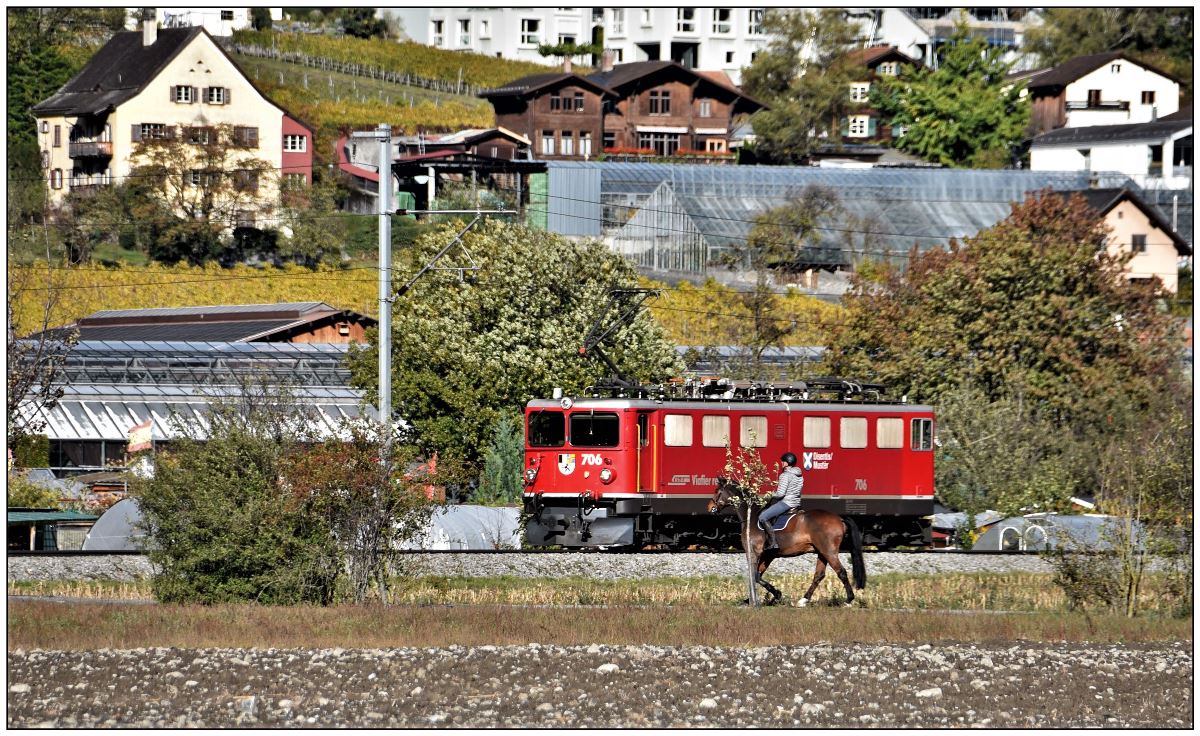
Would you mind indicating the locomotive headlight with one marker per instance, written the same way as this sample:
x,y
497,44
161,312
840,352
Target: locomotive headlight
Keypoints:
x,y
607,476
531,475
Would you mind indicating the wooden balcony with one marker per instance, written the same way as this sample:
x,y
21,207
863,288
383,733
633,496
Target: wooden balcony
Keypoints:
x,y
90,149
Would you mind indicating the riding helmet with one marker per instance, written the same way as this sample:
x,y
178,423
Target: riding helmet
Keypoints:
x,y
788,459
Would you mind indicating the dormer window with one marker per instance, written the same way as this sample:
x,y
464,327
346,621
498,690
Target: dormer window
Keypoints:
x,y
889,68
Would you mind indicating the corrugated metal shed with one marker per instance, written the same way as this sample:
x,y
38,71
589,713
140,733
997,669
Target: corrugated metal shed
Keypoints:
x,y
574,203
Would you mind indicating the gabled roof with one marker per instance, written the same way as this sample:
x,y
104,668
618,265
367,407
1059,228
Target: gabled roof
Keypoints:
x,y
1181,114
874,54
222,323
624,74
118,71
535,82
1103,200
1072,69
124,66
1158,130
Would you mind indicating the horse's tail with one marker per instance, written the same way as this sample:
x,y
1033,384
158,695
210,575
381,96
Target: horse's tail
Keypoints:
x,y
856,554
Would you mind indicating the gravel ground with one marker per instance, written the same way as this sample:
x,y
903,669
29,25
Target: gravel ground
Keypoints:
x,y
605,566
536,686
587,564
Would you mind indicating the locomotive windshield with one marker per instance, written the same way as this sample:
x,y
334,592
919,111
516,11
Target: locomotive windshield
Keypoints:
x,y
547,429
595,429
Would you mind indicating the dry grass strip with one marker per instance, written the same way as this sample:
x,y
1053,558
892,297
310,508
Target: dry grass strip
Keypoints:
x,y
44,625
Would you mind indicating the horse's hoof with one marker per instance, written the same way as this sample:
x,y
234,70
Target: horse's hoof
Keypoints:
x,y
848,604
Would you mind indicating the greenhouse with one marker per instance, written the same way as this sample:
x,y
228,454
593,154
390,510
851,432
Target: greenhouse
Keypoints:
x,y
688,218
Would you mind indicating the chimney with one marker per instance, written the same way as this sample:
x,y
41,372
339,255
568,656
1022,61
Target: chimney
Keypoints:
x,y
149,27
606,60
567,64
1153,113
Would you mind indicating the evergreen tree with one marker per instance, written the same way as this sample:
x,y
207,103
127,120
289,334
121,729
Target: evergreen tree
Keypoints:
x,y
503,463
964,113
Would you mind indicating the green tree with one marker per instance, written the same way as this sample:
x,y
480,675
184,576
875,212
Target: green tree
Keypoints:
x,y
466,352
964,113
260,19
359,491
362,23
309,216
25,494
501,481
221,526
1029,307
562,51
1161,36
194,186
1005,455
804,75
783,240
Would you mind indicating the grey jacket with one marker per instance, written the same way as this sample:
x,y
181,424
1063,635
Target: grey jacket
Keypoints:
x,y
791,483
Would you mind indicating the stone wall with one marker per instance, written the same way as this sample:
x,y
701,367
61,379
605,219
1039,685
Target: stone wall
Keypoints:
x,y
78,567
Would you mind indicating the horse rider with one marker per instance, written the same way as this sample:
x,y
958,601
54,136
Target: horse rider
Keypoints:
x,y
785,499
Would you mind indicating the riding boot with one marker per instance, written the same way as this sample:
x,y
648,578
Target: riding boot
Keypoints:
x,y
772,542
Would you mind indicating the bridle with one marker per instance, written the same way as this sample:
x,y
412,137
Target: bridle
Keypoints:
x,y
721,498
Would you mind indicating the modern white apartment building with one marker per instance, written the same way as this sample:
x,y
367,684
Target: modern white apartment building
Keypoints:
x,y
919,32
712,39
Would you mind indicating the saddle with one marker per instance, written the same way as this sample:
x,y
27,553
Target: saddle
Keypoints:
x,y
781,521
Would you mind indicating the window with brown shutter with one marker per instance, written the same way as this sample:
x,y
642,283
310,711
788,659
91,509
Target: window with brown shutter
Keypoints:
x,y
246,136
58,136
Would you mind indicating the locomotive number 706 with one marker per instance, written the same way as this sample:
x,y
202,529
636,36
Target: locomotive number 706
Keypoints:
x,y
590,458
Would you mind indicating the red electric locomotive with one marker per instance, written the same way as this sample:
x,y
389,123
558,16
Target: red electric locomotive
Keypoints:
x,y
630,471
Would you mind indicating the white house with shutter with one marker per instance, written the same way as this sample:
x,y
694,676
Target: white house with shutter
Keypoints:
x,y
174,83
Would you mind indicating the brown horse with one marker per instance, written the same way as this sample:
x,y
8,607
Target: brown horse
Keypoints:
x,y
807,531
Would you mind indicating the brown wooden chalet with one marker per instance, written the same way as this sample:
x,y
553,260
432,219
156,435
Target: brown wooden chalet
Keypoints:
x,y
864,123
655,107
285,322
560,112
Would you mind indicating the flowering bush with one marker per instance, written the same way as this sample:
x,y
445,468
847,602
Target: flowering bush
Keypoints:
x,y
629,150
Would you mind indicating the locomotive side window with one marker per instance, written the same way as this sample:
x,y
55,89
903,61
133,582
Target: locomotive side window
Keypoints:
x,y
595,429
816,431
889,432
715,431
677,430
643,429
854,432
754,432
922,434
547,429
